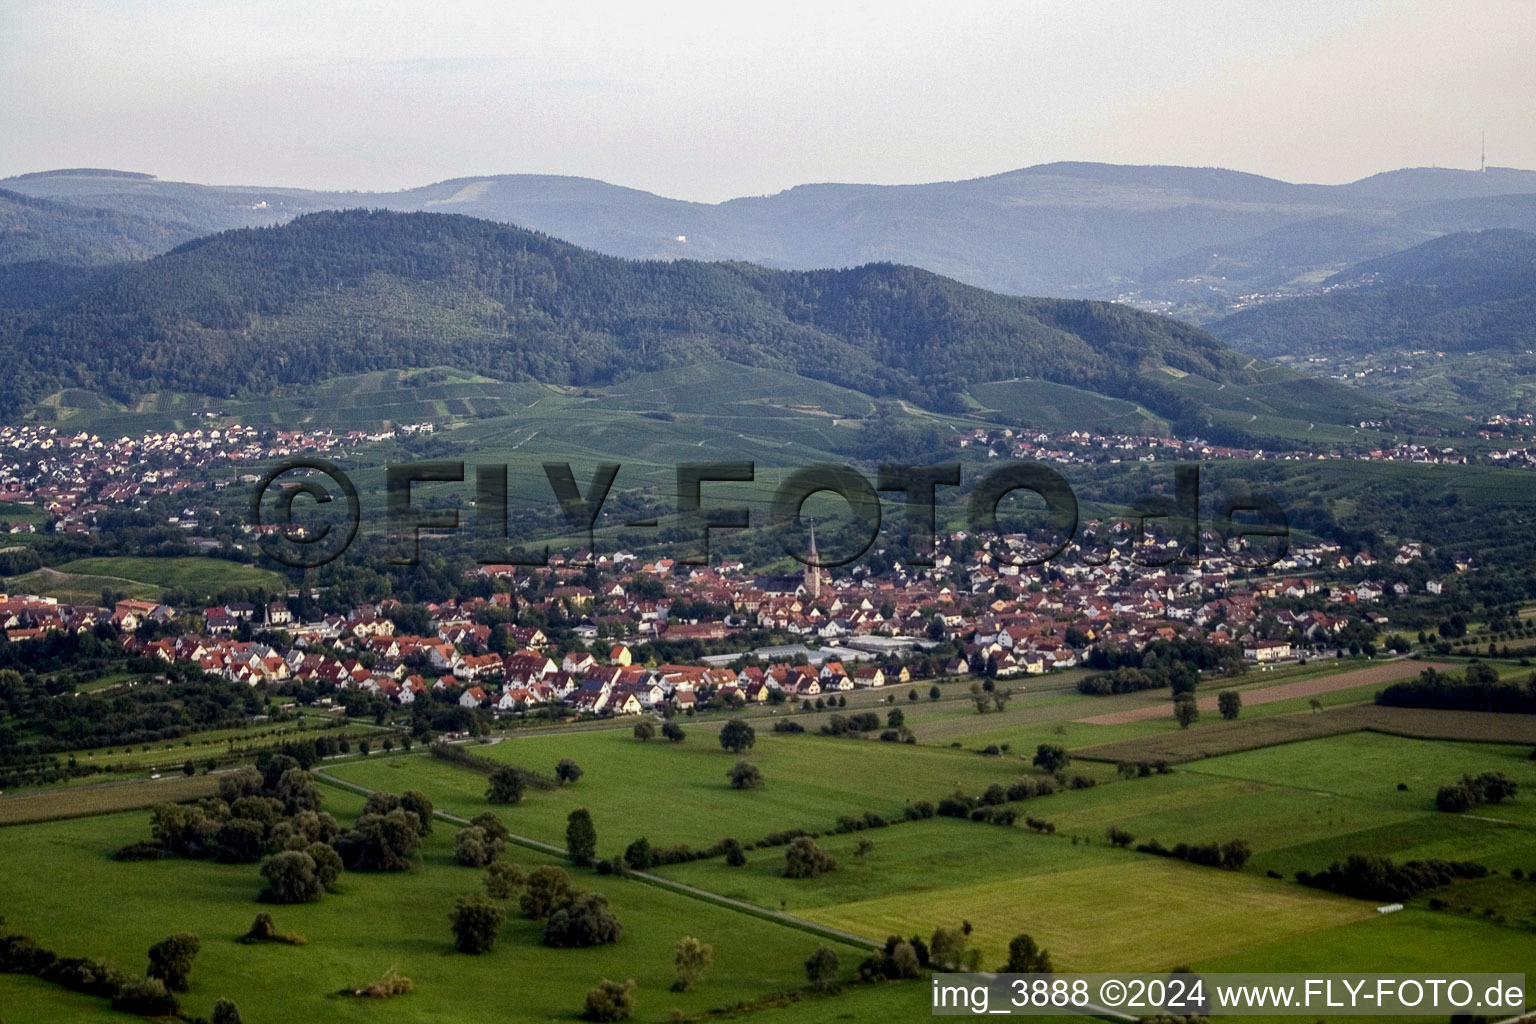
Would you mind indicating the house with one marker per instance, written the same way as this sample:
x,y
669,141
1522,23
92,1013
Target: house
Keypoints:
x,y
473,697
869,675
1265,651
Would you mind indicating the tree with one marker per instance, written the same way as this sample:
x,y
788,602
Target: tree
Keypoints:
x,y
170,960
894,719
567,771
804,859
1025,956
863,848
1455,798
1119,836
502,879
415,801
692,958
1051,757
904,961
737,735
381,842
225,1012
147,997
475,920
947,950
610,1001
1229,703
580,837
327,864
645,730
292,877
934,693
506,786
1185,710
547,888
735,856
744,775
821,967
672,732
1315,704
492,825
473,848
583,920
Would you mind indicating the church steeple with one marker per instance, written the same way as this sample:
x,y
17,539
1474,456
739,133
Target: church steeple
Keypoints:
x,y
812,569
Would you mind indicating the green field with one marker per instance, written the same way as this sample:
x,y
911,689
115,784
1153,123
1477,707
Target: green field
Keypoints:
x,y
678,793
201,575
376,923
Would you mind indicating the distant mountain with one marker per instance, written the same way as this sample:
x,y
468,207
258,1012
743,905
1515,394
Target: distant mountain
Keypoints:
x,y
1470,291
246,311
36,230
1193,239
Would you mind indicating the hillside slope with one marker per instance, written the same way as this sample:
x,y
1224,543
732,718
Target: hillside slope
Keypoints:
x,y
243,312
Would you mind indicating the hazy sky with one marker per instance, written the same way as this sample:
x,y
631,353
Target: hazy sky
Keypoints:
x,y
711,100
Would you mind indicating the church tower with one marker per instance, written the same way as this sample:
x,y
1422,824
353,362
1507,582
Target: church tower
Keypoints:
x,y
813,570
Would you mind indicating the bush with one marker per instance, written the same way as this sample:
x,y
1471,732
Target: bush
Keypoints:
x,y
474,849
292,877
502,879
584,920
147,997
506,786
390,985
691,958
919,811
610,1001
1378,878
225,1012
476,921
735,856
1119,836
804,859
547,888
264,930
821,967
744,775
786,725
567,771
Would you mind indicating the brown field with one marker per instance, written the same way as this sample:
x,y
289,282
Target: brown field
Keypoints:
x,y
1233,737
1389,672
108,798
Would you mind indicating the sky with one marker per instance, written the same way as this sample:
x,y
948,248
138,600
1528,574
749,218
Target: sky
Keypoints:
x,y
706,101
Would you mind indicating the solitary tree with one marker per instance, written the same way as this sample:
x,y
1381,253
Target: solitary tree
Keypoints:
x,y
744,775
692,959
672,732
1025,956
645,730
170,960
735,856
225,1012
475,920
1229,703
580,837
737,735
934,693
610,1001
567,771
895,719
863,848
1185,711
821,968
506,786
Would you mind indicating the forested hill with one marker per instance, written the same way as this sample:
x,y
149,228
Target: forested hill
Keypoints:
x,y
245,311
1465,292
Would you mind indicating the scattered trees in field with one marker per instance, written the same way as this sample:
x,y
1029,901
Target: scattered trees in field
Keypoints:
x,y
1474,791
1230,704
737,736
580,837
610,1001
476,921
744,775
804,859
585,919
691,958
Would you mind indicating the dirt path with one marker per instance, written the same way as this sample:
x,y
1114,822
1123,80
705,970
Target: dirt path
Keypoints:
x,y
1389,672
